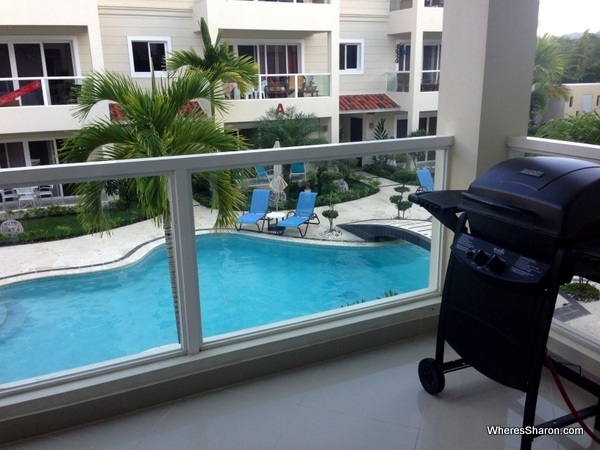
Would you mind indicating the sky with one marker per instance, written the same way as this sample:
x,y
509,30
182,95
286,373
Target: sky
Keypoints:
x,y
560,17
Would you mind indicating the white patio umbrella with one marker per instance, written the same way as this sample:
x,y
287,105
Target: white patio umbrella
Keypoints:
x,y
277,183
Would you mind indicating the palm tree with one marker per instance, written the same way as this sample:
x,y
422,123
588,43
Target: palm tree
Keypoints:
x,y
547,74
157,123
291,128
584,128
217,63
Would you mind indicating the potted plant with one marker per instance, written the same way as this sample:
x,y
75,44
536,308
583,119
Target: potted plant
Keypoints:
x,y
330,214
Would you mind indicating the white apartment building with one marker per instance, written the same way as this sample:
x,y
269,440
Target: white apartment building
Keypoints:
x,y
351,63
583,97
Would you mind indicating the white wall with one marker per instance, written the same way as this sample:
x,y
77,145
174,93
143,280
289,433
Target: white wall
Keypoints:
x,y
481,103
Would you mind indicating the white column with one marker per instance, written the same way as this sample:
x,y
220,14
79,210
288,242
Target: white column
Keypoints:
x,y
488,49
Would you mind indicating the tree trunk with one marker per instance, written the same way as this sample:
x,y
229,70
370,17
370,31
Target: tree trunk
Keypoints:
x,y
172,274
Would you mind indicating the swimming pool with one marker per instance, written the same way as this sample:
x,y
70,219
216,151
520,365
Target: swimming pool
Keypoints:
x,y
58,323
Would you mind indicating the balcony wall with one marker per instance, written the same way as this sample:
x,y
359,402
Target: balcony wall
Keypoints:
x,y
418,17
58,17
49,12
37,119
48,111
239,15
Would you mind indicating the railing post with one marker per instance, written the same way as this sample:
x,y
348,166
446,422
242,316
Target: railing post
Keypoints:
x,y
186,265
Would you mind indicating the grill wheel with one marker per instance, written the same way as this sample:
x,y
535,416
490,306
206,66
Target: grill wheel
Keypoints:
x,y
431,376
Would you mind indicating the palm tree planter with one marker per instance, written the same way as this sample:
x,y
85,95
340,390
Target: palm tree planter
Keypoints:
x,y
156,123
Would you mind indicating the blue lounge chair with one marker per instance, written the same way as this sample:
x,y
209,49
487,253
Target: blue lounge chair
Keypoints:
x,y
425,180
259,206
305,212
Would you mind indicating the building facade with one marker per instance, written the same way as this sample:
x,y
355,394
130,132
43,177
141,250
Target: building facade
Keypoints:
x,y
583,97
349,62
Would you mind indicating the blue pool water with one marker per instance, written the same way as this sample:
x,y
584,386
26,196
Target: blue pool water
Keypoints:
x,y
59,323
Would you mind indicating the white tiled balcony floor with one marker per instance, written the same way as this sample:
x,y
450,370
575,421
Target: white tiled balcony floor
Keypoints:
x,y
372,400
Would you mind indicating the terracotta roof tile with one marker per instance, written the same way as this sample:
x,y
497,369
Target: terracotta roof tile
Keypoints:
x,y
366,102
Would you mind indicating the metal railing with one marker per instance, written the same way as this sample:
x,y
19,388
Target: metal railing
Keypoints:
x,y
37,91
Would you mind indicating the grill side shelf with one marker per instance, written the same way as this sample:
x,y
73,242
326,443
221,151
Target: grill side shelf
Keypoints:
x,y
443,205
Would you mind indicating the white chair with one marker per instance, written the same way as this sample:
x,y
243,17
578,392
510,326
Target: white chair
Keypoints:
x,y
27,195
8,196
257,93
46,191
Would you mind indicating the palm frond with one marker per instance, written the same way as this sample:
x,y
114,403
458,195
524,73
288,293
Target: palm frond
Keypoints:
x,y
226,198
90,212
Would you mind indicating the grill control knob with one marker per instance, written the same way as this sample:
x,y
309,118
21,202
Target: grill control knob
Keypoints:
x,y
496,265
480,258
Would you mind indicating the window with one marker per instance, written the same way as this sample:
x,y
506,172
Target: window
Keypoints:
x,y
273,59
431,67
403,61
403,57
27,153
351,57
147,55
571,101
32,60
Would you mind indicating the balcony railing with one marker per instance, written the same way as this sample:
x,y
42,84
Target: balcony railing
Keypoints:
x,y
396,5
430,80
37,91
178,170
398,81
285,86
291,1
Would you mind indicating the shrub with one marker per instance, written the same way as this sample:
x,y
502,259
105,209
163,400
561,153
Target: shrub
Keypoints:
x,y
583,292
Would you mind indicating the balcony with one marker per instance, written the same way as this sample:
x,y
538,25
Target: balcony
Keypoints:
x,y
313,90
397,5
260,16
392,312
430,81
37,104
285,86
370,399
37,91
398,81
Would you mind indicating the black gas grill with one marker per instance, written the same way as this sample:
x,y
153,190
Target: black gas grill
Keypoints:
x,y
523,228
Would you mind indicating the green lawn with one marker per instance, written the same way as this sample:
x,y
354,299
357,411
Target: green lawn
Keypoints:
x,y
40,229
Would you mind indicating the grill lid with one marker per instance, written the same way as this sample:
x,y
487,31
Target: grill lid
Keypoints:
x,y
555,196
